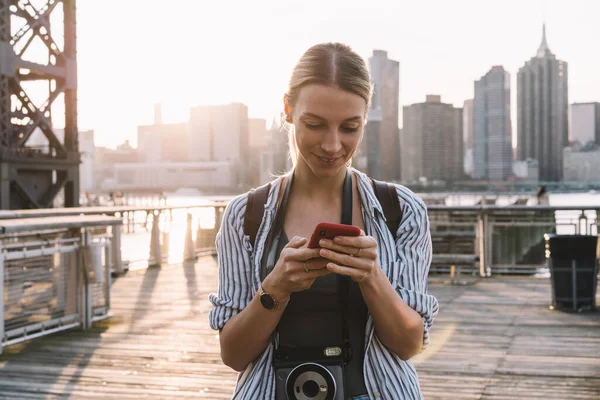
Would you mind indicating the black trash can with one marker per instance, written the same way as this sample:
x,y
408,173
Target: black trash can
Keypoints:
x,y
573,264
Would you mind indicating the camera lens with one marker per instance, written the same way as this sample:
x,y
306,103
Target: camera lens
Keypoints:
x,y
310,381
310,389
322,232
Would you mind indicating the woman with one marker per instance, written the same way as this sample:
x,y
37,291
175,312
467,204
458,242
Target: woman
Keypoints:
x,y
390,311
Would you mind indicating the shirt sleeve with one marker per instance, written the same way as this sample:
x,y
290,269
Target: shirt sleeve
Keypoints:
x,y
414,249
235,270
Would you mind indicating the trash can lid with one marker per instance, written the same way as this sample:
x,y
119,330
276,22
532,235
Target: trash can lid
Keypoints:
x,y
572,246
568,236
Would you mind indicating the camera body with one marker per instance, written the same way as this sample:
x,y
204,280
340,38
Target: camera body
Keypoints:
x,y
310,380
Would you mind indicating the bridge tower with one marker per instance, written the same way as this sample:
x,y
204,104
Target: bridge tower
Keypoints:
x,y
38,74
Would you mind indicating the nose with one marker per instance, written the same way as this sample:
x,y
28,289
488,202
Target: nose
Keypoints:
x,y
332,143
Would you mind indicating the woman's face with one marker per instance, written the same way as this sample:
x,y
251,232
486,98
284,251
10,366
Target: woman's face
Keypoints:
x,y
328,127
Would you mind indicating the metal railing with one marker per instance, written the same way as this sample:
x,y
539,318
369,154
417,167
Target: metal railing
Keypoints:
x,y
149,235
510,239
56,264
55,275
487,238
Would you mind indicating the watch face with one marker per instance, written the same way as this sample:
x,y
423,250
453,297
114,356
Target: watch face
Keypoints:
x,y
267,301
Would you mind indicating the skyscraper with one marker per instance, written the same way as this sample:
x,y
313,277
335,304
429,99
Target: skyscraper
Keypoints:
x,y
468,136
221,133
543,111
275,158
162,142
381,145
585,123
432,141
258,143
492,138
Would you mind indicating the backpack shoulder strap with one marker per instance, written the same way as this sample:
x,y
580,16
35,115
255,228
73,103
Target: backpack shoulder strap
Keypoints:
x,y
388,198
255,208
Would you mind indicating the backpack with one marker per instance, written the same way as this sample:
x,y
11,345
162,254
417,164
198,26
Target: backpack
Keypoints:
x,y
386,195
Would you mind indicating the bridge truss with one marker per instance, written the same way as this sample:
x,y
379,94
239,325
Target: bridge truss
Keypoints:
x,y
38,75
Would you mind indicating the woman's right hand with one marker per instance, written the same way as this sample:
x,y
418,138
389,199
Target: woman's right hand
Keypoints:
x,y
290,275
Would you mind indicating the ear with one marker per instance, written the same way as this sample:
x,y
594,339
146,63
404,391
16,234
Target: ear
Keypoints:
x,y
287,109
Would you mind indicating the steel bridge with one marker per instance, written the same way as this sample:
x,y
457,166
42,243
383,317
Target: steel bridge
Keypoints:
x,y
34,176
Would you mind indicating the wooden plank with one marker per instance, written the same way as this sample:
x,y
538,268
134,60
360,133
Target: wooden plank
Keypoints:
x,y
493,339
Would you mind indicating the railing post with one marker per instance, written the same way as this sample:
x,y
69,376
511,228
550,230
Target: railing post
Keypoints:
x,y
86,290
155,249
489,237
146,220
189,251
1,298
131,222
583,219
482,226
107,276
166,242
116,256
125,216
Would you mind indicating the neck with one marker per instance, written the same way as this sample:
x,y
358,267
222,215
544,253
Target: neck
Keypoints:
x,y
311,186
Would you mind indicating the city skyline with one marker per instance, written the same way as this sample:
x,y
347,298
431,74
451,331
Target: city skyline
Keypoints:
x,y
257,47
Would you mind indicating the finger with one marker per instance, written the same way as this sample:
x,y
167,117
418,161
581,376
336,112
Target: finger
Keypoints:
x,y
351,250
296,242
343,270
302,254
345,259
304,277
355,241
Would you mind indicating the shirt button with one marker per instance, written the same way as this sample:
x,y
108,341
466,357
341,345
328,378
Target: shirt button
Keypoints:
x,y
377,395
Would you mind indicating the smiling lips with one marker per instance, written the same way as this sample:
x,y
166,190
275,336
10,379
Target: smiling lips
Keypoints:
x,y
327,160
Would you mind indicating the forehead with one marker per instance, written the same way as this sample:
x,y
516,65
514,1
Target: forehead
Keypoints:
x,y
331,103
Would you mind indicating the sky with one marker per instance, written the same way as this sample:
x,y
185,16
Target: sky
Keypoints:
x,y
135,53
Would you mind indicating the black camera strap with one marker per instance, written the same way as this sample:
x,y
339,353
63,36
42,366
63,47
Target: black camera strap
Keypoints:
x,y
343,282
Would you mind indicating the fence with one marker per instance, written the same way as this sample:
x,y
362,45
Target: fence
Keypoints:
x,y
56,264
481,239
149,235
55,275
507,239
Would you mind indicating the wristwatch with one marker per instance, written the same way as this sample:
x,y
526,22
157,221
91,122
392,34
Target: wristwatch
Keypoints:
x,y
269,301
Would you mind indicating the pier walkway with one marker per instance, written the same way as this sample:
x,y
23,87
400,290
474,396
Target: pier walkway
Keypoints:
x,y
494,338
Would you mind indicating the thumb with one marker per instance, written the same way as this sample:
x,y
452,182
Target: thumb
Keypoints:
x,y
296,242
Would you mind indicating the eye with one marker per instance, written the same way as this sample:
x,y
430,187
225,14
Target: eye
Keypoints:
x,y
349,129
312,126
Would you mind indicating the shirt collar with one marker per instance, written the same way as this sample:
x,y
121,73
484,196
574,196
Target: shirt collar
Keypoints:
x,y
365,189
367,194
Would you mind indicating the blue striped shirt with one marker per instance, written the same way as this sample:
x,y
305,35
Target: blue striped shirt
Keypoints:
x,y
405,262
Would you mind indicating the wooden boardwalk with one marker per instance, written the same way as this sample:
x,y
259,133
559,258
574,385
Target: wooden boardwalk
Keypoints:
x,y
493,339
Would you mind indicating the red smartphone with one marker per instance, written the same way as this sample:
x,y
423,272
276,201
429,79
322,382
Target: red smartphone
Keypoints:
x,y
327,230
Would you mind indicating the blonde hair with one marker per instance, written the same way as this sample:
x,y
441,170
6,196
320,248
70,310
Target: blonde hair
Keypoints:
x,y
331,64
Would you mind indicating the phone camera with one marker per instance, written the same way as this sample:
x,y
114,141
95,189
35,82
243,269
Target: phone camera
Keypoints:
x,y
322,232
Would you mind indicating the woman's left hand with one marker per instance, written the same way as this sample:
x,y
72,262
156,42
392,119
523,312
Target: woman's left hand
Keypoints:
x,y
354,256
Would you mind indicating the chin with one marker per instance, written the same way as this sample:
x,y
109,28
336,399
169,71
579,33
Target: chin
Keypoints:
x,y
327,171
